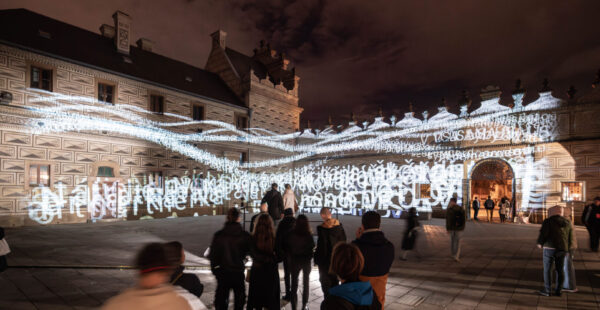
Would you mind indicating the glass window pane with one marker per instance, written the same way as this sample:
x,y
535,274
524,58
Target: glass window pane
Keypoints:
x,y
35,77
45,175
33,174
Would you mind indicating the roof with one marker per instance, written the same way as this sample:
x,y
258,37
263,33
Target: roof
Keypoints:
x,y
21,28
242,63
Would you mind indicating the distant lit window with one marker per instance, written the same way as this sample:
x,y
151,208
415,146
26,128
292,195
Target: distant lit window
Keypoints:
x,y
39,175
107,172
572,191
106,93
424,190
156,178
157,104
41,78
241,122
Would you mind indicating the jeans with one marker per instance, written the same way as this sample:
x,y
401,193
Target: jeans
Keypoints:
x,y
556,258
455,243
227,280
569,269
490,214
327,280
475,212
296,267
287,277
594,238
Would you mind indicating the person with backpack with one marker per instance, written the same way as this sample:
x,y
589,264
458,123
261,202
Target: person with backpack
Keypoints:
x,y
489,209
455,224
330,233
299,246
591,219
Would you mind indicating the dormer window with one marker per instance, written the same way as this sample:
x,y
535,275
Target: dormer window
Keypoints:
x,y
106,93
41,78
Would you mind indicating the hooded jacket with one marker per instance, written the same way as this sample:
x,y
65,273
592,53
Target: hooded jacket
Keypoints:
x,y
455,218
556,233
229,248
377,251
351,296
329,234
289,199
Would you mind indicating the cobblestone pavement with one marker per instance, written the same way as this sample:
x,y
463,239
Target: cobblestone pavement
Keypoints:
x,y
500,267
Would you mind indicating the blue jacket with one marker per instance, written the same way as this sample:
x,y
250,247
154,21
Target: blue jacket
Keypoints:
x,y
351,295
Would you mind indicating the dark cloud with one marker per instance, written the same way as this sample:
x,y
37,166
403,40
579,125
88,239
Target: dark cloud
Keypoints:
x,y
357,56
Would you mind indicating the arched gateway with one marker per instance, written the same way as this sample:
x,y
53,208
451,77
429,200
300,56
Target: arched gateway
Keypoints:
x,y
492,177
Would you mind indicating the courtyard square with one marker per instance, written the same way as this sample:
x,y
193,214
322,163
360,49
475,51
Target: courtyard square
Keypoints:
x,y
76,266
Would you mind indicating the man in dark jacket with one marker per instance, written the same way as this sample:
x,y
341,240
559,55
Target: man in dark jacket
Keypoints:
x,y
263,210
556,240
476,205
228,249
455,224
330,233
283,229
591,219
489,208
377,251
275,201
188,281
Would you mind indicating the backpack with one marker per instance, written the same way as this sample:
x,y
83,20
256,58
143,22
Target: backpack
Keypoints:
x,y
459,219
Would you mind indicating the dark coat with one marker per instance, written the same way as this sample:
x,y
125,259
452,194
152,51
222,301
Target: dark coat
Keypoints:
x,y
591,216
263,289
410,234
328,237
377,251
253,220
188,281
455,218
351,296
283,229
476,204
557,233
229,248
299,247
489,204
274,199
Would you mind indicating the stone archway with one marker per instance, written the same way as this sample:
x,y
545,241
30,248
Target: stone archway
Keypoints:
x,y
492,177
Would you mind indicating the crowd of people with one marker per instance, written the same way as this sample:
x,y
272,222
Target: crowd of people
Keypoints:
x,y
353,275
505,209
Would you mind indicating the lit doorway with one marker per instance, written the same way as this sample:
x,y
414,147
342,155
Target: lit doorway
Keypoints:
x,y
493,178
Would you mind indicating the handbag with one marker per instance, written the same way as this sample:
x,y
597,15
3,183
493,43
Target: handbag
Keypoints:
x,y
4,248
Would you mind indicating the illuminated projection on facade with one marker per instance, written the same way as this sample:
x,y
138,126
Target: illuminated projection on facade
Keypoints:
x,y
387,166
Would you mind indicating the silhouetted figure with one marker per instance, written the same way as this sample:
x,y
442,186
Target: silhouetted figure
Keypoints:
x,y
188,281
4,250
455,224
555,239
591,219
330,233
263,210
476,206
289,199
275,201
410,233
489,209
283,229
299,246
263,290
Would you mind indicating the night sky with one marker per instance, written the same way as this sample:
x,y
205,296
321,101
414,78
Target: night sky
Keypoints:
x,y
359,56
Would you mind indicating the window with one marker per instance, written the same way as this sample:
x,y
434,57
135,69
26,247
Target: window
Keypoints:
x,y
39,175
424,190
241,122
106,93
197,112
572,191
41,78
157,104
156,178
243,157
107,172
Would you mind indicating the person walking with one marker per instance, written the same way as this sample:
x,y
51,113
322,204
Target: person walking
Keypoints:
x,y
378,253
503,208
263,289
555,239
188,281
455,224
299,246
275,201
283,229
591,219
228,250
4,250
489,209
353,294
476,206
289,199
410,234
330,233
153,291
570,283
263,210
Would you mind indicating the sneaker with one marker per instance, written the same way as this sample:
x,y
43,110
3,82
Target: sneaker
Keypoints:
x,y
543,293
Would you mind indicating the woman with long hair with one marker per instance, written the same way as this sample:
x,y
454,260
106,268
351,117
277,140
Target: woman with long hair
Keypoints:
x,y
299,245
263,290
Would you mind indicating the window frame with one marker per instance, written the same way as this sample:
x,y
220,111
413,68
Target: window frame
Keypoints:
x,y
237,116
192,106
107,83
29,165
162,177
112,169
562,191
41,67
419,191
151,105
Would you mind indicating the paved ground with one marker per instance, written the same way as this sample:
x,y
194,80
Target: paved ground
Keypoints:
x,y
500,266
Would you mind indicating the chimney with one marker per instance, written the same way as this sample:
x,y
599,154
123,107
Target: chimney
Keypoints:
x,y
219,38
107,31
122,31
144,44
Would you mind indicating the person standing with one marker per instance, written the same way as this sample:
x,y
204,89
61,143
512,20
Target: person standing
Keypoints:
x,y
188,281
299,246
489,209
289,199
283,229
153,291
591,219
4,250
410,234
476,206
502,209
555,239
263,289
330,233
263,210
378,253
353,294
228,249
455,224
275,201
570,283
